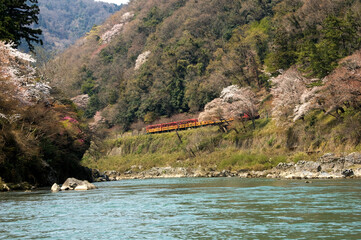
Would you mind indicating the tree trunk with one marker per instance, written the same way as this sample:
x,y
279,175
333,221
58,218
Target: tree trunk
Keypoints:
x,y
179,137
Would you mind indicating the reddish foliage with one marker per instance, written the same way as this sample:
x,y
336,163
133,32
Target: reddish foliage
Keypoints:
x,y
343,86
70,119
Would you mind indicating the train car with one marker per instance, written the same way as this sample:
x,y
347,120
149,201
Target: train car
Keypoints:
x,y
189,123
154,128
171,126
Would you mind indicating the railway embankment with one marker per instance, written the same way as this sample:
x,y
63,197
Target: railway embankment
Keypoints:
x,y
237,150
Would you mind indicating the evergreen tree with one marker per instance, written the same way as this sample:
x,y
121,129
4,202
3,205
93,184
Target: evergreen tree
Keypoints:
x,y
16,19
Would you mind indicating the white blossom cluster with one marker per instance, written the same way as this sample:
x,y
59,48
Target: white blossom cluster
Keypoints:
x,y
17,72
292,98
233,102
141,59
37,91
116,29
108,35
11,118
14,53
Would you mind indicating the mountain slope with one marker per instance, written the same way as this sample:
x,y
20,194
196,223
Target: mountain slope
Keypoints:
x,y
65,21
160,58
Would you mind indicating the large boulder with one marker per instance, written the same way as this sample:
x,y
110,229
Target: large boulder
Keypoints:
x,y
353,159
75,184
4,187
332,163
112,175
55,188
85,186
347,173
308,166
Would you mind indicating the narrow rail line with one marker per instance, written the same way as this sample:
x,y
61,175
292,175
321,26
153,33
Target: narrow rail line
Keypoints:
x,y
184,124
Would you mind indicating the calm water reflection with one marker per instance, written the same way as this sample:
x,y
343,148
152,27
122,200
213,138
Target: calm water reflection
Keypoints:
x,y
216,208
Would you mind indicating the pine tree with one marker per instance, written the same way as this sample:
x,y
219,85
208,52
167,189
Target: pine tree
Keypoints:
x,y
16,20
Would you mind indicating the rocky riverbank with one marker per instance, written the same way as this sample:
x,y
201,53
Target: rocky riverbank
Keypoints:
x,y
329,166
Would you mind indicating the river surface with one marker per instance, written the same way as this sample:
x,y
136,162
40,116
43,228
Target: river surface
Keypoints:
x,y
188,208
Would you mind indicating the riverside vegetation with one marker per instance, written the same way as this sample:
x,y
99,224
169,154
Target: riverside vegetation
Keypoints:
x,y
240,148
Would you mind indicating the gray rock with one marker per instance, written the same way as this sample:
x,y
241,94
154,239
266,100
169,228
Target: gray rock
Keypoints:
x,y
327,158
353,158
55,188
307,166
325,175
85,186
4,188
283,165
244,175
357,172
73,183
166,172
348,173
111,175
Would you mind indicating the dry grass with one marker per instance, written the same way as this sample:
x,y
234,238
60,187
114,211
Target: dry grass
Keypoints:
x,y
242,148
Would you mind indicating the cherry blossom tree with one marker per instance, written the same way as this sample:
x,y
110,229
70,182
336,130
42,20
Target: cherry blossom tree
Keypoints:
x,y
342,88
292,99
234,102
18,75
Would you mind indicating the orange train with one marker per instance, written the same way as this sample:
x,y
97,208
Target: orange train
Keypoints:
x,y
184,124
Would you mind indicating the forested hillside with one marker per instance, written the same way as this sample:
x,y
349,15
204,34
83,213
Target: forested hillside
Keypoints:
x,y
65,21
160,58
41,138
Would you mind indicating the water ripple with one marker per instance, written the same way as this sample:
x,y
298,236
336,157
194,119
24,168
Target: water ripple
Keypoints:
x,y
217,208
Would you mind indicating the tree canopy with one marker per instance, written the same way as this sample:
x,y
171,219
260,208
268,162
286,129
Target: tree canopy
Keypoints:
x,y
198,48
16,20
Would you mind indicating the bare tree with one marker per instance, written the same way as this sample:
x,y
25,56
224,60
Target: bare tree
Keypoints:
x,y
342,88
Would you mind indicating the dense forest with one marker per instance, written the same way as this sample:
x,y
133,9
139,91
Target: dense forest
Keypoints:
x,y
160,58
65,21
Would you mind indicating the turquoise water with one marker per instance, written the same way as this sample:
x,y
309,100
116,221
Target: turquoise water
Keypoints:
x,y
193,208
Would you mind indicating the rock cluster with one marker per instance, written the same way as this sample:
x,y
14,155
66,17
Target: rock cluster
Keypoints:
x,y
105,176
4,187
73,184
178,172
326,167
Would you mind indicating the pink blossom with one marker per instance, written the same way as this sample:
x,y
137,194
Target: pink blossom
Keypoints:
x,y
70,119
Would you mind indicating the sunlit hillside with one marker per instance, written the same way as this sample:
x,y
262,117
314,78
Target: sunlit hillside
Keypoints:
x,y
155,59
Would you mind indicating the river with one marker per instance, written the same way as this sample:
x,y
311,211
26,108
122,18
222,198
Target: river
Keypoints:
x,y
188,208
